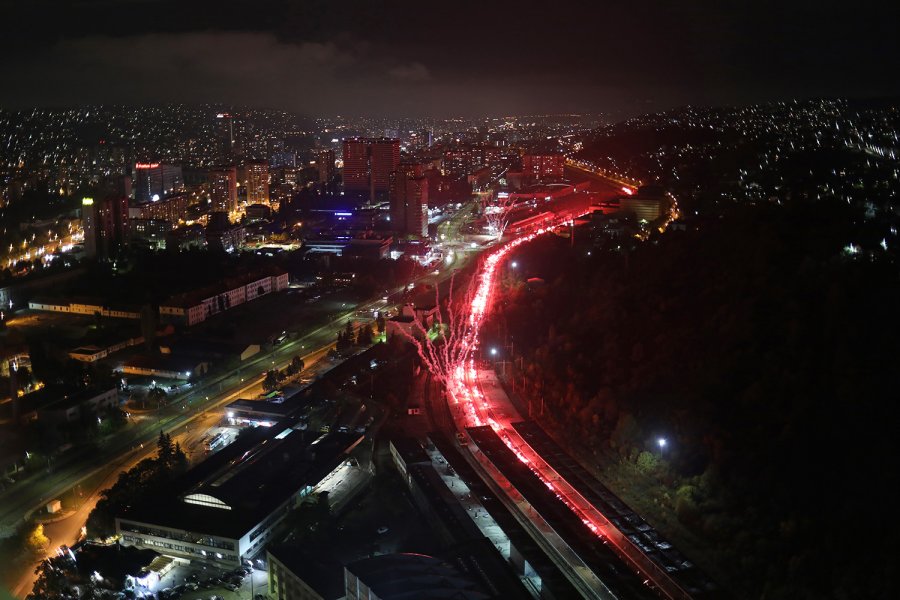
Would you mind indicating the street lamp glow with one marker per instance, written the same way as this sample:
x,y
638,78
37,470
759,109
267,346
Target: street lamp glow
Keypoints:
x,y
514,264
662,443
493,352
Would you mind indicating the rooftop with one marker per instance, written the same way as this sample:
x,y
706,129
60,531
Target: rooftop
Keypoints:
x,y
410,576
233,490
263,407
325,577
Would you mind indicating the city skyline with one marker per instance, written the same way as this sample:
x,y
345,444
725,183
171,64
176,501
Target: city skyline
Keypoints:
x,y
500,300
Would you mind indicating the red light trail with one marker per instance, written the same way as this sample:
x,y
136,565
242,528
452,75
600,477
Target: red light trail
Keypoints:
x,y
451,361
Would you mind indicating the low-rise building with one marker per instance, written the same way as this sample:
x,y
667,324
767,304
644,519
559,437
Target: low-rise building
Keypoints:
x,y
94,352
225,509
82,306
197,306
164,367
71,405
396,576
297,575
647,204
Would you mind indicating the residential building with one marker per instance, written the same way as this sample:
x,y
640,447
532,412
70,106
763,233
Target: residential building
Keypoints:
x,y
150,233
257,182
72,405
223,190
173,209
368,164
197,306
409,200
325,165
543,167
105,224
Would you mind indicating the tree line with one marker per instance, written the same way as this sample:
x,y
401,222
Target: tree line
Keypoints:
x,y
763,354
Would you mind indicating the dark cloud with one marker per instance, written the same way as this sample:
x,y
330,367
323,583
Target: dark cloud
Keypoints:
x,y
322,56
256,69
415,71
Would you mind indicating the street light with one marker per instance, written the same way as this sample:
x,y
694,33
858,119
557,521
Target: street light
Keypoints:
x,y
514,264
493,352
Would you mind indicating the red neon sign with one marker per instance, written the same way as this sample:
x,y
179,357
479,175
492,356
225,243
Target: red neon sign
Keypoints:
x,y
146,165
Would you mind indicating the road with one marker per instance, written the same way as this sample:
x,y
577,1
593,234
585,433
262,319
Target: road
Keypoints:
x,y
20,500
187,417
189,434
472,407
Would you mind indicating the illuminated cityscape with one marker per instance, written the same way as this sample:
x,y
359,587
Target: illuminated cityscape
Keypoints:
x,y
337,301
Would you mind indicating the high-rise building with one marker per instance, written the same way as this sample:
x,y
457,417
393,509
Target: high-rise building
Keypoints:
x,y
543,167
356,165
225,136
409,200
89,225
154,181
325,165
368,164
282,158
105,223
223,190
417,206
257,182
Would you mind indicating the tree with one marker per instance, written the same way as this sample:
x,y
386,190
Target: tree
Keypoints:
x,y
156,396
179,459
364,338
37,541
297,364
270,383
349,334
344,340
379,323
52,579
23,377
165,451
115,419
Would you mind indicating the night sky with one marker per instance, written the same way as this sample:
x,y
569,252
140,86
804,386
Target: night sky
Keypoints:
x,y
400,57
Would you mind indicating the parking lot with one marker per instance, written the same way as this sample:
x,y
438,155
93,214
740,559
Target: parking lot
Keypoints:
x,y
195,582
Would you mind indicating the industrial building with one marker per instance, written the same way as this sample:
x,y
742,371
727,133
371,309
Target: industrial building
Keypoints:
x,y
225,509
